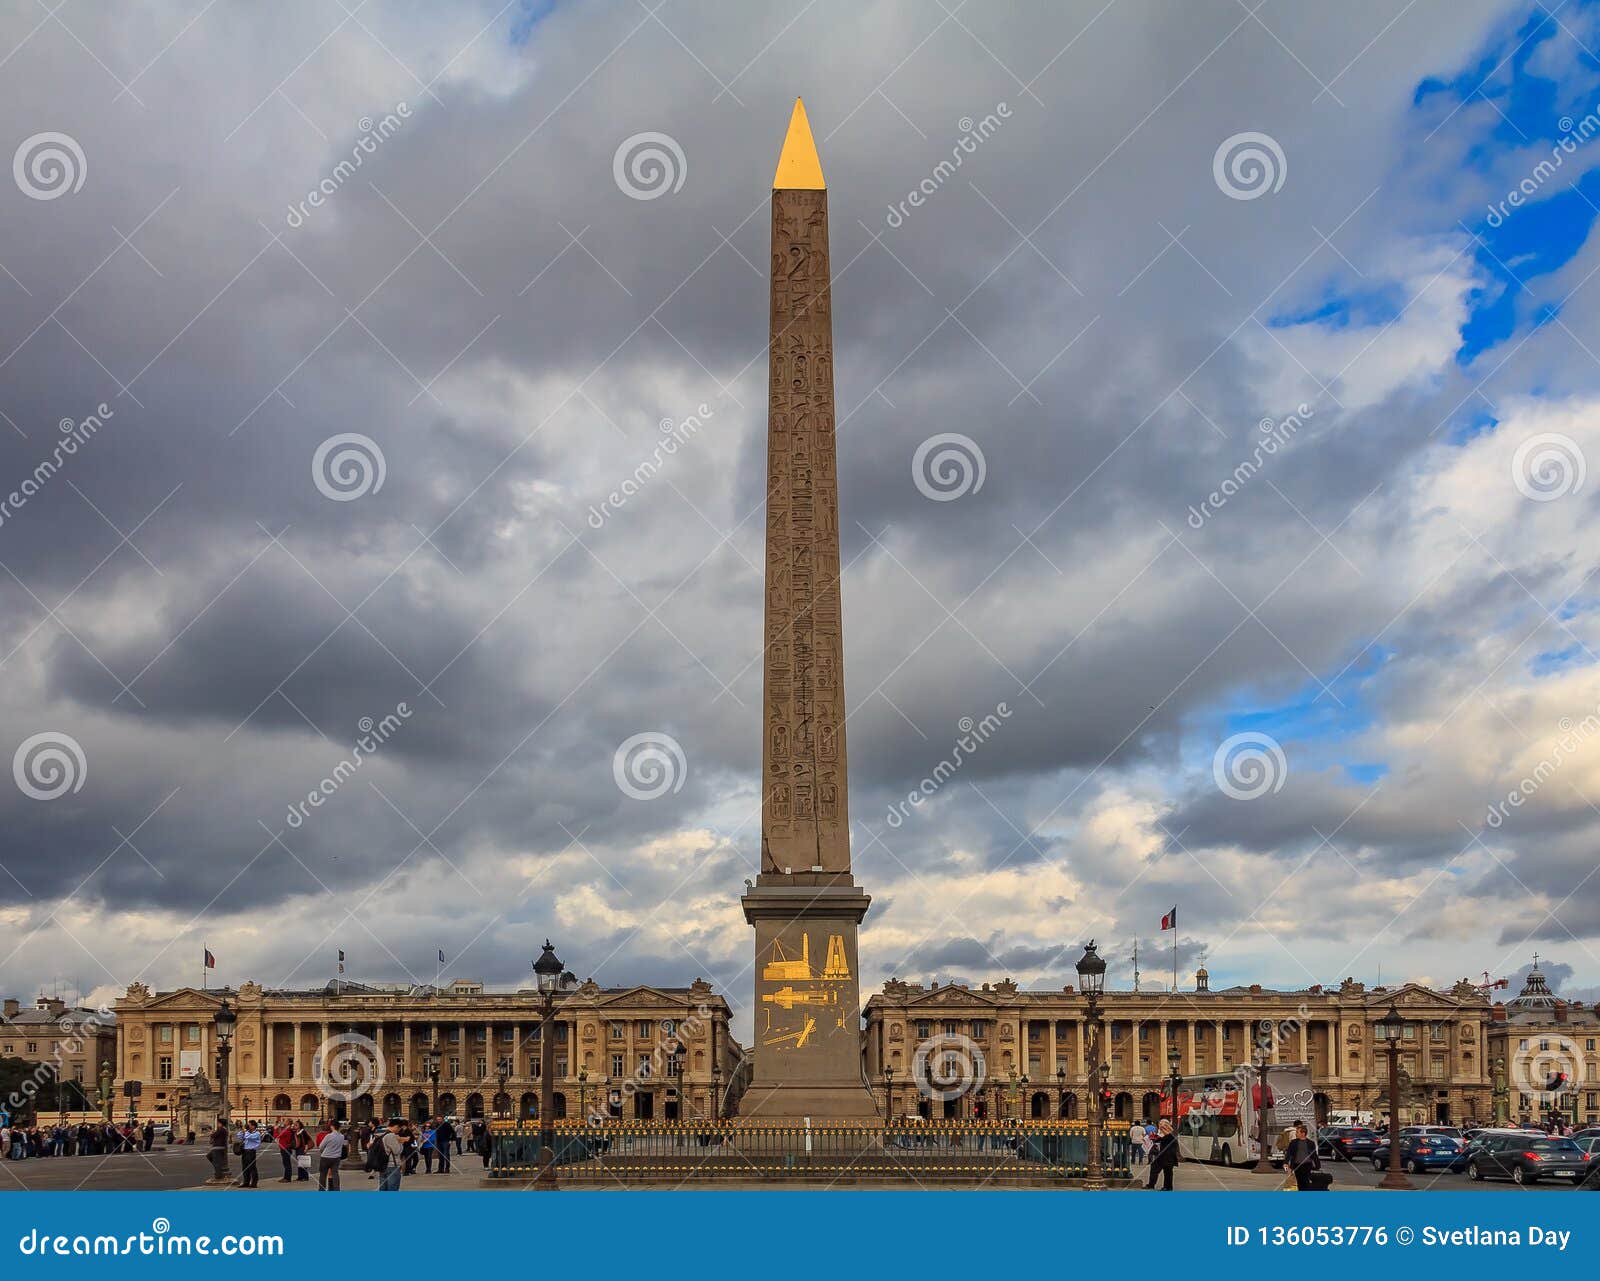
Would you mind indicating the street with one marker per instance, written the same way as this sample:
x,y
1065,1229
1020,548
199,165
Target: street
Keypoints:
x,y
1197,1176
160,1168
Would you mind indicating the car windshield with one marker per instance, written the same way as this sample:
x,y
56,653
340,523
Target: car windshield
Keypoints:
x,y
1443,1142
1553,1145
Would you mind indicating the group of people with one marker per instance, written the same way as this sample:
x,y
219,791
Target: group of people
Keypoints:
x,y
389,1150
19,1142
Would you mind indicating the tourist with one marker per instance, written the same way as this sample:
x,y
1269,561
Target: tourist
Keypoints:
x,y
1300,1157
1164,1157
1136,1136
394,1154
303,1146
218,1154
444,1134
330,1152
284,1137
249,1149
426,1146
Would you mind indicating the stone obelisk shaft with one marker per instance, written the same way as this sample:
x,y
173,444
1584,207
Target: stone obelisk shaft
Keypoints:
x,y
805,822
805,905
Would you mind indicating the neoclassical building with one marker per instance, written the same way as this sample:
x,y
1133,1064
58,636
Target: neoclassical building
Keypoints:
x,y
72,1041
299,1053
1536,1035
1035,1045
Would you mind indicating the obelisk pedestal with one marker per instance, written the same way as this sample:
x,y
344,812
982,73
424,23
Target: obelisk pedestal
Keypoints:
x,y
805,905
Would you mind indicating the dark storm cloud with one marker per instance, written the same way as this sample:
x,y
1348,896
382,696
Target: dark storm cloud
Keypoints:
x,y
482,301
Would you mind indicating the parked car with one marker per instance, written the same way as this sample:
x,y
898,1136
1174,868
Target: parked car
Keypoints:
x,y
1421,1152
1346,1142
1527,1159
1446,1131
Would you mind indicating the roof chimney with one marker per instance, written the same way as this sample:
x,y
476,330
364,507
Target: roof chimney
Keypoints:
x,y
1498,1013
12,1008
1561,1011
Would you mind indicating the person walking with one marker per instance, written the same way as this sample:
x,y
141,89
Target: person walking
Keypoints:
x,y
249,1150
1136,1152
284,1138
1163,1157
330,1152
394,1155
1302,1160
444,1134
427,1145
303,1154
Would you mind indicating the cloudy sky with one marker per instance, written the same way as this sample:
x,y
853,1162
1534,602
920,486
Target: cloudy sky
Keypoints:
x,y
1257,346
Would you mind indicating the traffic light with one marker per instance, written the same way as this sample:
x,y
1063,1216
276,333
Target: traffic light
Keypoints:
x,y
1557,1083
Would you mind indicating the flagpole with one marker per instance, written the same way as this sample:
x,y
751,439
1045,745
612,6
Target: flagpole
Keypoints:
x,y
1174,956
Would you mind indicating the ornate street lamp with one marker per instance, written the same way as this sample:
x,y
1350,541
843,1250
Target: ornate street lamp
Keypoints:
x,y
224,1020
503,1076
1092,979
1392,1025
1262,1165
1173,1060
675,1072
547,970
716,1091
583,1094
1061,1090
431,1059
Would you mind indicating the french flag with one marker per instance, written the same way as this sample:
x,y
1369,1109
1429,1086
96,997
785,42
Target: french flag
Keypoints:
x,y
1170,920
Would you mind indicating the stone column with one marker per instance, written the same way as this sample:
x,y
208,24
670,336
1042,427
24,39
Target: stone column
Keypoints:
x,y
1305,1045
1080,1030
1194,1065
408,1067
1216,1031
299,1058
269,1062
1161,1051
1050,1062
466,1061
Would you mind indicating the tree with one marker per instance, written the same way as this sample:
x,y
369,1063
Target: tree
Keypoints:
x,y
25,1087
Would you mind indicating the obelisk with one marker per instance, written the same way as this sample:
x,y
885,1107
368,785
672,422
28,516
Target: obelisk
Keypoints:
x,y
805,904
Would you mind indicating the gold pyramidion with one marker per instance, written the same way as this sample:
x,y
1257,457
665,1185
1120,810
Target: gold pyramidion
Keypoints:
x,y
799,167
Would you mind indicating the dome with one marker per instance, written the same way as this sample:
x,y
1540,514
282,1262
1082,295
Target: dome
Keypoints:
x,y
1535,996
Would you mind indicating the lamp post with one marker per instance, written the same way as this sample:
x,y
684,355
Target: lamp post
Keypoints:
x,y
716,1091
503,1076
888,1094
547,970
102,1095
1061,1090
1262,1165
1092,978
583,1094
675,1072
1173,1061
430,1060
225,1020
1392,1024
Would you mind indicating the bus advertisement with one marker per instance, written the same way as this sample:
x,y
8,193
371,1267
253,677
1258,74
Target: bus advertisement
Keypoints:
x,y
1219,1116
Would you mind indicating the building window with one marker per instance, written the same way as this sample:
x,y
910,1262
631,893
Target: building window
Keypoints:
x,y
980,1030
164,1034
508,1034
33,1047
644,1067
482,1064
951,1028
191,1032
1589,1045
1199,1033
924,1029
616,1065
618,1033
1409,1033
164,1068
1522,1044
1144,1031
669,1026
1227,1032
673,1065
1544,1044
643,1030
561,1067
455,1065
481,1035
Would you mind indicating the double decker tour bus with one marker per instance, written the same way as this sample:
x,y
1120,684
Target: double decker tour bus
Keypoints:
x,y
1219,1113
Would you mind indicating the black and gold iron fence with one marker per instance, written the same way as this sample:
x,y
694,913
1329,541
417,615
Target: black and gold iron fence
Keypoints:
x,y
970,1152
